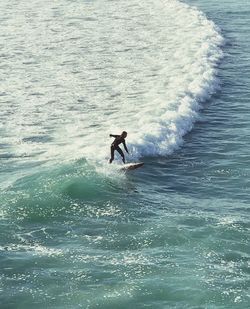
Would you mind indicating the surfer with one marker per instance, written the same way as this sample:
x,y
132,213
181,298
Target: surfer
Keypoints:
x,y
115,145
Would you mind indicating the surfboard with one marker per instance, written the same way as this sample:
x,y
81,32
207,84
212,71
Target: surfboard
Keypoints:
x,y
131,166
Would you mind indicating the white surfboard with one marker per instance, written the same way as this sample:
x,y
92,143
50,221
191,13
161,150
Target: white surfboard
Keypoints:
x,y
131,166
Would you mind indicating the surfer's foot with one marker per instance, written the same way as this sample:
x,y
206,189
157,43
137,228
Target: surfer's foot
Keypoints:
x,y
110,161
123,160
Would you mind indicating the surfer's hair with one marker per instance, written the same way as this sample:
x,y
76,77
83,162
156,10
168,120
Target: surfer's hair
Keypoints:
x,y
124,133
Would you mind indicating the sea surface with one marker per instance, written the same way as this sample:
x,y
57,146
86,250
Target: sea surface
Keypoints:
x,y
76,232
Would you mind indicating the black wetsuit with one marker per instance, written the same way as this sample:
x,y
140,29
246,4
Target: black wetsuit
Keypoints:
x,y
115,146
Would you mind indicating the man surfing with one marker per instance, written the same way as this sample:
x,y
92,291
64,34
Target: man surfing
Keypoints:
x,y
115,145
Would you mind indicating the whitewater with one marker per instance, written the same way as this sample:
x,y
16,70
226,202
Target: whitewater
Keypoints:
x,y
73,74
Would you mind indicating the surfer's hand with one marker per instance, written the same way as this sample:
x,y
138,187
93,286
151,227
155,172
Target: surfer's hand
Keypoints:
x,y
110,135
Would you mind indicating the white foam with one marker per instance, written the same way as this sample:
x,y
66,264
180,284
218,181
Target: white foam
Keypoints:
x,y
35,249
104,67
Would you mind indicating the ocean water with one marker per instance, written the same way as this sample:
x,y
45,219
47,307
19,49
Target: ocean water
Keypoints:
x,y
76,232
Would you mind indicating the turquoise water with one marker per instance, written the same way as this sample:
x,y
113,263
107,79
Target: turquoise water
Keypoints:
x,y
77,233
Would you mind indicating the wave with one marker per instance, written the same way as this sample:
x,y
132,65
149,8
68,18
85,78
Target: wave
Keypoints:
x,y
61,191
144,67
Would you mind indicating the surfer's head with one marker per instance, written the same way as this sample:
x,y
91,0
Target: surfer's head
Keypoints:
x,y
124,134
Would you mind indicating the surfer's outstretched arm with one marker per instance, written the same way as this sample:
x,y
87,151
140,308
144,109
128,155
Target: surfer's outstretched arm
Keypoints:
x,y
125,147
113,135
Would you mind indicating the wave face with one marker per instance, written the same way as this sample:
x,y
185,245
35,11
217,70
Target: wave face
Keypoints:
x,y
80,70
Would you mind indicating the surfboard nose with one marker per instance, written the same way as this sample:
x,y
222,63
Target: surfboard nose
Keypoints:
x,y
131,166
